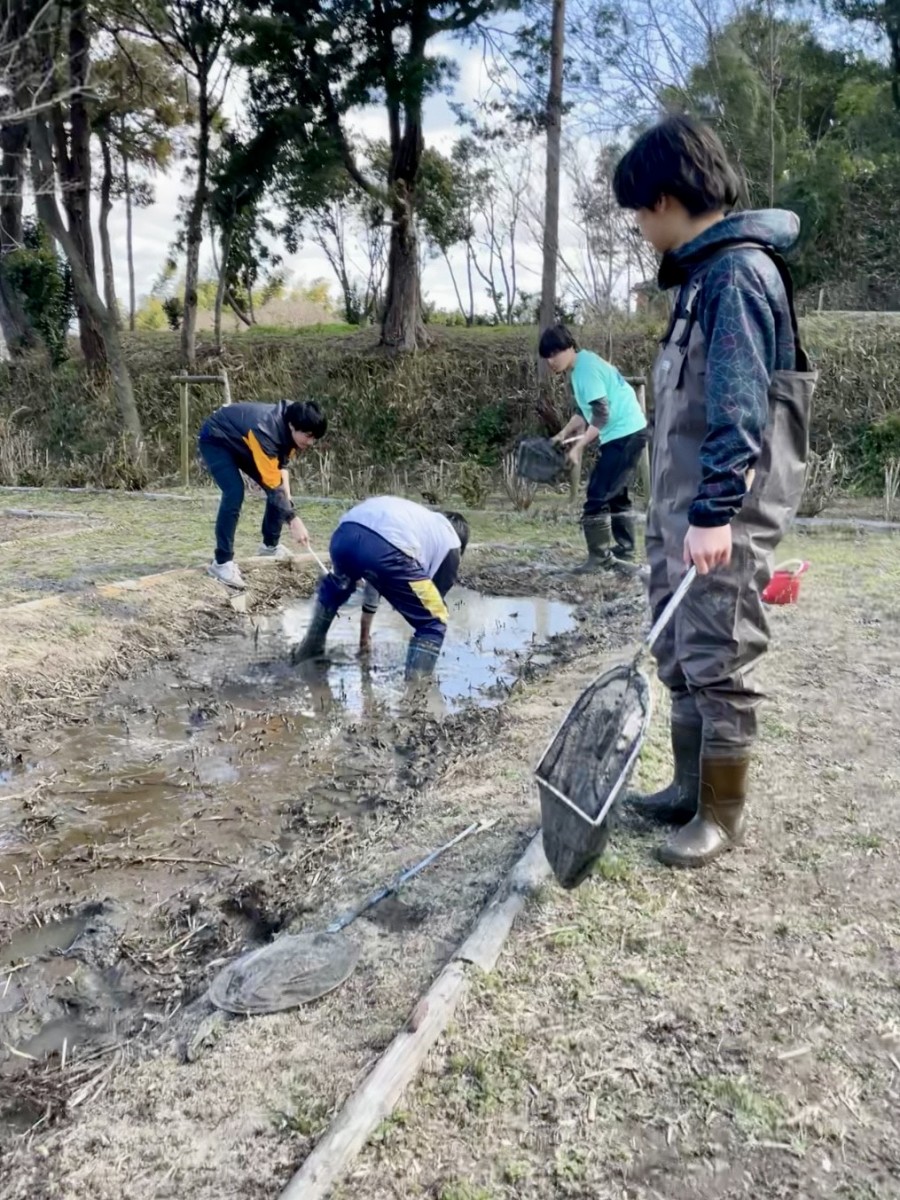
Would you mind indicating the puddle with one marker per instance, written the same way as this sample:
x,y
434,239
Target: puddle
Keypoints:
x,y
233,731
483,632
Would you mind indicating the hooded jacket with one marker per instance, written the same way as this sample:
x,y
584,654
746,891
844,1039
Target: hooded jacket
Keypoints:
x,y
744,314
260,439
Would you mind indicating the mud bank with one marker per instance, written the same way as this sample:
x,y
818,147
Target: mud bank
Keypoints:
x,y
209,802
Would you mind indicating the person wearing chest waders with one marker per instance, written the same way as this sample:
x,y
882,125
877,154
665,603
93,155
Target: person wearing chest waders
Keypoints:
x,y
606,412
260,440
732,393
404,552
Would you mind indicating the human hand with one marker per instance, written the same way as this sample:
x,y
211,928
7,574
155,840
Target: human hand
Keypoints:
x,y
298,532
707,549
574,456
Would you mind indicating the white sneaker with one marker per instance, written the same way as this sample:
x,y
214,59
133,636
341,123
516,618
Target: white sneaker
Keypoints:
x,y
279,552
228,573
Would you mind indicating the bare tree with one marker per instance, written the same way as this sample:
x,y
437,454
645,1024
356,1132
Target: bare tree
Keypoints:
x,y
628,54
352,229
604,253
198,35
493,250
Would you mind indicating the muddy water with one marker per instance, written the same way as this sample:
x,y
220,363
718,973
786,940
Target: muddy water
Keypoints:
x,y
202,762
232,726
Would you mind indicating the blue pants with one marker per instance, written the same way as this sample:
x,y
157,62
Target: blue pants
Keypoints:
x,y
359,553
225,470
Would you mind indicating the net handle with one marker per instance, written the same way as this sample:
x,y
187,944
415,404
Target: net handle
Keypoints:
x,y
800,564
668,612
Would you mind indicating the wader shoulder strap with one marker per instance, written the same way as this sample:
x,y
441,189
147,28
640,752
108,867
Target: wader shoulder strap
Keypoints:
x,y
687,299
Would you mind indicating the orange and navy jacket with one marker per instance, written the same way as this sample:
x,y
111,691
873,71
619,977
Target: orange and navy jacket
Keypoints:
x,y
259,437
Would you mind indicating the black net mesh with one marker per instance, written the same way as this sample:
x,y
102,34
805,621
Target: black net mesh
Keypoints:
x,y
292,970
587,762
540,460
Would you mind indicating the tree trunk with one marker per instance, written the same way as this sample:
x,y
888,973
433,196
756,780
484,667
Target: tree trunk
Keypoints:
x,y
222,271
771,13
77,181
109,278
44,179
554,144
13,145
195,227
129,238
403,328
15,326
232,303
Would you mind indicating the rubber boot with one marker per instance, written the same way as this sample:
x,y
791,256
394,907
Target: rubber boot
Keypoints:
x,y
624,531
677,803
598,535
313,645
719,823
421,658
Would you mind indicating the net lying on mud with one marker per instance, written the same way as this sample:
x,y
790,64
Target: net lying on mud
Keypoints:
x,y
292,970
586,767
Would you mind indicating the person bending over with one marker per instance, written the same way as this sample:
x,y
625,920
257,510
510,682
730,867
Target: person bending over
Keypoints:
x,y
260,440
404,552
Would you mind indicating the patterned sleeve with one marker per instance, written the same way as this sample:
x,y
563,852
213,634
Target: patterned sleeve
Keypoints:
x,y
738,324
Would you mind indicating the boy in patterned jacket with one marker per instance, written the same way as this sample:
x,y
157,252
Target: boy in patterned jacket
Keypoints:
x,y
732,390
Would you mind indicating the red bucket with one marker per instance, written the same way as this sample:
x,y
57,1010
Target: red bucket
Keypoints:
x,y
784,586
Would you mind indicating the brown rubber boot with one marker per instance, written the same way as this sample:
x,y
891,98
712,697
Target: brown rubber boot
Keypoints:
x,y
677,803
719,823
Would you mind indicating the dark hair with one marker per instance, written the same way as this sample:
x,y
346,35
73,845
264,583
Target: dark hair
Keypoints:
x,y
461,526
682,158
554,339
306,417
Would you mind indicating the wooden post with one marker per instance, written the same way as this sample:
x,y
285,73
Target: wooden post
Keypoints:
x,y
185,433
184,381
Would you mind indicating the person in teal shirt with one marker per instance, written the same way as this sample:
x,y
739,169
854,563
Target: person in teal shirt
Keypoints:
x,y
606,411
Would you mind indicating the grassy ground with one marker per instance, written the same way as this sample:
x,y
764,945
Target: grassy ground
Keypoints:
x,y
653,1036
109,537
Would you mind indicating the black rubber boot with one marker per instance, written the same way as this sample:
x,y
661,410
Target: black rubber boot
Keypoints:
x,y
598,535
721,817
421,658
677,803
624,534
313,645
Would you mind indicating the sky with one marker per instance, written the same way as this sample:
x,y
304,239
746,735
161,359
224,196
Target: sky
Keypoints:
x,y
154,228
